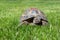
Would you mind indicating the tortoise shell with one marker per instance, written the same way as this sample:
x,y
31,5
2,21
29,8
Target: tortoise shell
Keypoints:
x,y
30,14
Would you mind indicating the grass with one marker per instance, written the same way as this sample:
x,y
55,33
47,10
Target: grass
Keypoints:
x,y
10,11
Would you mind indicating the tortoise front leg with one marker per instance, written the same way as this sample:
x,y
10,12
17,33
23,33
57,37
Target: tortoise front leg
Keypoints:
x,y
31,24
24,22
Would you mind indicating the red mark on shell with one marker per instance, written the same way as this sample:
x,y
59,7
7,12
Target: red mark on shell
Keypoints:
x,y
33,8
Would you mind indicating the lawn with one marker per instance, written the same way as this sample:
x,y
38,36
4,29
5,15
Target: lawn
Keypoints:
x,y
11,10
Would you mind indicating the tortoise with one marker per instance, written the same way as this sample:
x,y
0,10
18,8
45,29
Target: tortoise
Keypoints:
x,y
33,16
